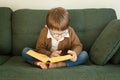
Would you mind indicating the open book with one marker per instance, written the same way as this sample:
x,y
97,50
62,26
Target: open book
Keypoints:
x,y
47,59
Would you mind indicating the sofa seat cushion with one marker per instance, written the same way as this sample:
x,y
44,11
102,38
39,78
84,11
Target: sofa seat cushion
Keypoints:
x,y
106,44
17,69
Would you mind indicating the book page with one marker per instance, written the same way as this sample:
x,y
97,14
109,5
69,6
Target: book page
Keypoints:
x,y
60,58
38,56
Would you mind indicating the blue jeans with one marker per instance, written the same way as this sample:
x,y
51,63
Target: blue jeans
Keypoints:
x,y
81,59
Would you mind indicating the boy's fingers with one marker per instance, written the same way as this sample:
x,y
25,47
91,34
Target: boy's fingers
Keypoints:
x,y
59,52
69,51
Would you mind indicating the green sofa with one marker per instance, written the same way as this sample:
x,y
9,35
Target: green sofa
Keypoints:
x,y
98,30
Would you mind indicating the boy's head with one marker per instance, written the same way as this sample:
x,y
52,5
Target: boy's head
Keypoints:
x,y
58,19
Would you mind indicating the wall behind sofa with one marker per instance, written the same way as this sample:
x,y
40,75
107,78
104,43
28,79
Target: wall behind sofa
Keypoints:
x,y
68,4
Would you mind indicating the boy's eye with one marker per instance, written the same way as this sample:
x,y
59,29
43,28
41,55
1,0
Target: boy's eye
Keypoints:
x,y
62,34
59,35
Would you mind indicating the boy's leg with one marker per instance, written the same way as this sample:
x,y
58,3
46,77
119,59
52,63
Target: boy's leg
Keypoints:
x,y
32,60
81,59
28,58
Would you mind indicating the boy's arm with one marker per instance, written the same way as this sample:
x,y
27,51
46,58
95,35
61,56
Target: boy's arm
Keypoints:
x,y
76,44
41,45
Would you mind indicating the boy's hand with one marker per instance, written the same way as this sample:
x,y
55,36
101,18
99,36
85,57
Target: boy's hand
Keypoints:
x,y
73,53
56,53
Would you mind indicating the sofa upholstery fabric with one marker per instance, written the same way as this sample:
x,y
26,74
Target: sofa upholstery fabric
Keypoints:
x,y
5,30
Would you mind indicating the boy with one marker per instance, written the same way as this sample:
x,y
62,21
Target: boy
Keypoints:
x,y
58,38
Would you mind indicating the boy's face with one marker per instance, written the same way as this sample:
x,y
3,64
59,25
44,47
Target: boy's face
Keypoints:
x,y
58,34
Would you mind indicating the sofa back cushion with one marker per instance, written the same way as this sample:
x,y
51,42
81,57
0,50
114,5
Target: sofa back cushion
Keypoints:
x,y
88,24
5,30
26,27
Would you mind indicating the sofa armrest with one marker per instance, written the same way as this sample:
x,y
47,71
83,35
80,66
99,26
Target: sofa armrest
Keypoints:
x,y
106,44
115,22
116,57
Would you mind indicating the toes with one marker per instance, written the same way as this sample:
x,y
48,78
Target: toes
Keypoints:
x,y
41,65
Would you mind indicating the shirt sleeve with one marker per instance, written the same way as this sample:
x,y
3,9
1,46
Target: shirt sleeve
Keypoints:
x,y
76,44
41,46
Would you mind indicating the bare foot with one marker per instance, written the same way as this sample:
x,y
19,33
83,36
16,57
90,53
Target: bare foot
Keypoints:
x,y
55,65
41,65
